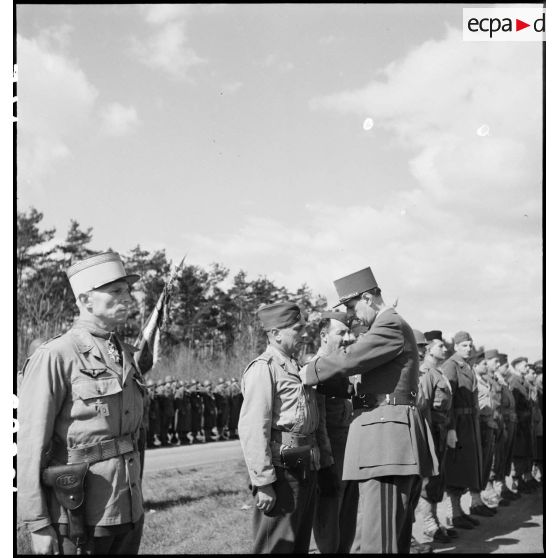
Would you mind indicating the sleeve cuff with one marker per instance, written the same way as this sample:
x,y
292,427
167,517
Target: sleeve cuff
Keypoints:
x,y
309,374
37,524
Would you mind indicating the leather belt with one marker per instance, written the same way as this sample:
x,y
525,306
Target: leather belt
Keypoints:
x,y
92,453
346,396
374,400
292,439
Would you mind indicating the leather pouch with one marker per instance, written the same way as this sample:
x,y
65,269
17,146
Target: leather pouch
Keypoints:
x,y
296,460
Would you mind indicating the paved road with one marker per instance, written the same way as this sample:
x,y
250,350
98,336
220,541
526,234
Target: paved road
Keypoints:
x,y
163,459
515,529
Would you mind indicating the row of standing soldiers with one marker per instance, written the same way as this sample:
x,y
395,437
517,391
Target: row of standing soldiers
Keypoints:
x,y
188,412
493,410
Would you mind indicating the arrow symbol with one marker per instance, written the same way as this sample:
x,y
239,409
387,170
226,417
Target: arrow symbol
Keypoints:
x,y
519,25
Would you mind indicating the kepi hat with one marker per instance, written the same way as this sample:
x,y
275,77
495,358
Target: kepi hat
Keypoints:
x,y
354,285
98,270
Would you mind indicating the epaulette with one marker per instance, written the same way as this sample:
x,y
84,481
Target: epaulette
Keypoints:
x,y
49,340
259,358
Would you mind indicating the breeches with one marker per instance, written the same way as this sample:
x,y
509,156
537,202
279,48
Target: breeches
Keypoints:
x,y
388,505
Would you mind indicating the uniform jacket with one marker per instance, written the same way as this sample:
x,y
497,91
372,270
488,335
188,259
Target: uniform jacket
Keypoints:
x,y
74,395
274,398
389,439
435,396
488,402
464,463
523,443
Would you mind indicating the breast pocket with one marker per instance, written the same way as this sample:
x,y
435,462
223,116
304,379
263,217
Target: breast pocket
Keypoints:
x,y
94,397
386,437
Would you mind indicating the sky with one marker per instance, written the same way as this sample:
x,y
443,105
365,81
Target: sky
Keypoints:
x,y
299,142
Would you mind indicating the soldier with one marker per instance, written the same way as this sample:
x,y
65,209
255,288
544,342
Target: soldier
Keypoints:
x,y
539,431
277,425
435,400
421,343
80,412
196,404
490,494
504,444
222,404
183,410
154,416
488,428
209,410
336,510
236,398
523,443
388,447
166,409
464,462
536,421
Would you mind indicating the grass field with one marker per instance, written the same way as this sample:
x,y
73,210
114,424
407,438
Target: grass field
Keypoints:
x,y
192,511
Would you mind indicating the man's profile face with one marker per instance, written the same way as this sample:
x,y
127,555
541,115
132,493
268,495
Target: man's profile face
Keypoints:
x,y
481,367
464,348
437,349
522,367
493,364
361,309
111,302
290,338
336,336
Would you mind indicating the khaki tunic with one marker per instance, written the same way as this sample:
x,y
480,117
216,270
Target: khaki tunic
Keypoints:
x,y
274,398
72,394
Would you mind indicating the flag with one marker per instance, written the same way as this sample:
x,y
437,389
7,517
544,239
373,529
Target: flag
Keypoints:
x,y
148,342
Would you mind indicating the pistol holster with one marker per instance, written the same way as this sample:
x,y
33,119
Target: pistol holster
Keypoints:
x,y
68,485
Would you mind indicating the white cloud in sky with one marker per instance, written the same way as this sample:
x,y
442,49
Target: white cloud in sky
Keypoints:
x,y
232,87
55,102
166,47
118,120
462,249
57,105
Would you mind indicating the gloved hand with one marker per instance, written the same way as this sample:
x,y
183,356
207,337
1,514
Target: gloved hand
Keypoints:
x,y
451,439
328,482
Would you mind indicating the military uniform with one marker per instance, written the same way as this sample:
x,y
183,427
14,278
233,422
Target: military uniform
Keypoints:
x,y
522,451
222,405
435,401
154,429
74,398
389,446
209,412
196,404
166,412
276,404
505,440
464,462
183,410
235,403
336,514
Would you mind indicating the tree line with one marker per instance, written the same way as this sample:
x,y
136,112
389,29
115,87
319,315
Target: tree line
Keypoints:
x,y
211,313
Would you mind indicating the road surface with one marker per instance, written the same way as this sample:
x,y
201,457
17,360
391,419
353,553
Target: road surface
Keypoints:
x,y
164,459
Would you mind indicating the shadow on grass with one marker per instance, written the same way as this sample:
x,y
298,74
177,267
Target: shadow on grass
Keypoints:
x,y
173,499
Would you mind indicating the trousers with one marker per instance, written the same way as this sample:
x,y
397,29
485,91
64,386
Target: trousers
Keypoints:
x,y
388,505
127,542
287,528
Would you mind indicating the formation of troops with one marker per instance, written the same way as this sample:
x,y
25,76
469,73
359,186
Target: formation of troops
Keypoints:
x,y
355,442
178,412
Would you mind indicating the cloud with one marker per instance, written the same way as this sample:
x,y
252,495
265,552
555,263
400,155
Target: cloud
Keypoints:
x,y
55,101
57,106
118,120
233,87
166,47
460,243
273,61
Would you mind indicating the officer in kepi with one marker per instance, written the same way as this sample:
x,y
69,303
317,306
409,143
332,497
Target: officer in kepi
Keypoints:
x,y
80,413
277,430
389,446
